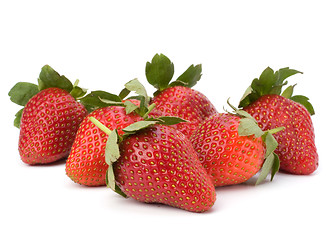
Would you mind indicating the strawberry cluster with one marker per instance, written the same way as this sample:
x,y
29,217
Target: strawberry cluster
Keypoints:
x,y
173,148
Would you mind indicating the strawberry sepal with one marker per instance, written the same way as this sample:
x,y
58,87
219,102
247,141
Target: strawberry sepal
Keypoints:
x,y
249,126
112,150
22,92
160,71
49,78
271,82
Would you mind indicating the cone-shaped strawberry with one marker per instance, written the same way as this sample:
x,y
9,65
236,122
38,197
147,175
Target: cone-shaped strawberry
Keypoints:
x,y
232,148
86,163
272,108
49,118
177,98
154,163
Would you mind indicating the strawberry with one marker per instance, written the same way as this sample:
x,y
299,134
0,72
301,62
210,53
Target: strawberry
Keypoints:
x,y
86,163
50,117
157,164
177,98
271,108
232,148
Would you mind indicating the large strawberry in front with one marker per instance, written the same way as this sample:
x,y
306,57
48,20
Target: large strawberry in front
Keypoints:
x,y
177,98
157,164
271,109
50,117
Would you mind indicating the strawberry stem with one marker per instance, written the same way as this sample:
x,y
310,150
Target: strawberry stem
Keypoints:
x,y
276,130
149,109
76,83
100,125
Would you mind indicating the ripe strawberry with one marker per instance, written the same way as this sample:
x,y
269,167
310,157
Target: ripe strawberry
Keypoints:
x,y
177,98
158,164
231,152
50,117
297,150
185,103
86,163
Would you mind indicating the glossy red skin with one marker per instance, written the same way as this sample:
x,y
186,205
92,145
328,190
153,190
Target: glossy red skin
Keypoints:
x,y
86,163
227,157
159,165
296,149
48,126
185,103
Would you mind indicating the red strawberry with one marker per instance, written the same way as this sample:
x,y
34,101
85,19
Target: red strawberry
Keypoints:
x,y
297,150
231,152
177,98
185,103
159,165
50,117
86,163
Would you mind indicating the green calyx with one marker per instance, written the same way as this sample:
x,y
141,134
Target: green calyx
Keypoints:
x,y
271,82
160,71
247,127
22,92
112,151
102,99
99,99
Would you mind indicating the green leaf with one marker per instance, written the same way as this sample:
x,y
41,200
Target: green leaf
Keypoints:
x,y
249,127
270,142
78,92
245,114
124,93
134,127
266,168
110,178
268,83
275,166
112,151
159,72
18,116
252,97
168,120
119,191
271,164
130,107
303,100
288,92
48,78
135,86
98,99
284,73
149,109
22,92
190,77
245,97
264,84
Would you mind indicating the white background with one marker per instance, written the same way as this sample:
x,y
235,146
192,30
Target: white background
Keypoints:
x,y
107,43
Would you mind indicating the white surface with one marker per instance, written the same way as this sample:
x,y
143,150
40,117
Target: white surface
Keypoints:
x,y
106,43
